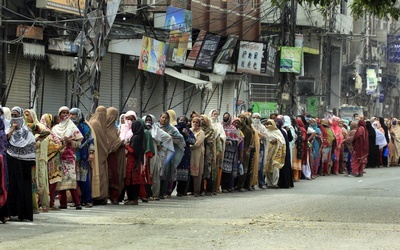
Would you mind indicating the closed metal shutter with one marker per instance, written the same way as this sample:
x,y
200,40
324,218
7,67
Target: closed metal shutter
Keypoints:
x,y
211,99
130,89
175,94
152,102
55,92
19,94
228,97
110,81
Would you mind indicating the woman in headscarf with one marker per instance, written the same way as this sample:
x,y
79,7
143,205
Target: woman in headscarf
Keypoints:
x,y
285,173
4,214
348,143
361,148
183,169
164,151
121,122
339,140
220,138
395,132
135,168
53,159
116,159
40,187
98,124
276,154
316,147
305,167
210,170
4,117
262,134
385,155
297,151
71,138
373,149
21,154
84,154
167,123
231,154
126,128
197,156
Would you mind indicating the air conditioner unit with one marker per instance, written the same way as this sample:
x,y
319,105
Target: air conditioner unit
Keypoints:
x,y
305,87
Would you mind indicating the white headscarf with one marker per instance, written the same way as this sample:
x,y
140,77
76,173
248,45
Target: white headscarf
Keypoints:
x,y
22,143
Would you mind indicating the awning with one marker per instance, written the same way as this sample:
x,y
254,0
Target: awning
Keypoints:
x,y
199,83
34,51
65,63
217,79
312,51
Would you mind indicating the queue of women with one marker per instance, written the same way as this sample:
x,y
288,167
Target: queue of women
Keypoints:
x,y
123,159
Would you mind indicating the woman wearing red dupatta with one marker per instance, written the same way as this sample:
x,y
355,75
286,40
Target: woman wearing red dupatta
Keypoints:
x,y
361,148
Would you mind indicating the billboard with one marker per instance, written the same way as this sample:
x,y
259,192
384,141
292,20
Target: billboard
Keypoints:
x,y
152,56
192,57
393,49
206,54
177,46
250,56
76,7
291,59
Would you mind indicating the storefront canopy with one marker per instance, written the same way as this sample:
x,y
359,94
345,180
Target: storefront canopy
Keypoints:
x,y
199,83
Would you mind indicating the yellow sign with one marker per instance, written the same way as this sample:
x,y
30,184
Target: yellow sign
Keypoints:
x,y
76,7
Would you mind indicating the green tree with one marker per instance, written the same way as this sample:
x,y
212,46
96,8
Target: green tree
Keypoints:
x,y
378,8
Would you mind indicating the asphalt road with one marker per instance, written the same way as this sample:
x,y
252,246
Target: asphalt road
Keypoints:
x,y
333,212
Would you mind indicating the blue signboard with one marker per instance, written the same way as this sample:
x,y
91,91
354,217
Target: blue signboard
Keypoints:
x,y
393,49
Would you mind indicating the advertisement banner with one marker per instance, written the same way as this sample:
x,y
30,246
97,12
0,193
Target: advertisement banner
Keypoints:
x,y
76,7
250,56
227,50
206,55
291,59
372,80
265,108
177,46
191,60
153,56
178,19
312,106
269,60
393,49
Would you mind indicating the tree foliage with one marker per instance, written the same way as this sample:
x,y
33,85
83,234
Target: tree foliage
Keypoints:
x,y
378,8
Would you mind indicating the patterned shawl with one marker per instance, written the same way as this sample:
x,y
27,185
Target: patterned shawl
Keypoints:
x,y
231,132
276,147
22,143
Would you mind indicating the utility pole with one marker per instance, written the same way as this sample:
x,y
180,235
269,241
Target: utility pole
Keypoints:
x,y
326,49
80,65
3,49
287,80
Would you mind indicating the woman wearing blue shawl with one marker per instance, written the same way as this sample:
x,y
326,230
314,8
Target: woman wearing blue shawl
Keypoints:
x,y
316,147
170,169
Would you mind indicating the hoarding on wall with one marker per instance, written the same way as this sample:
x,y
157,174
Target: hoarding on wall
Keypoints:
x,y
191,60
227,50
153,56
291,59
206,54
250,56
265,108
178,19
177,46
372,80
31,32
76,7
312,106
393,49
